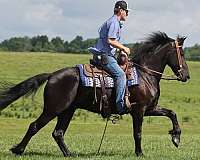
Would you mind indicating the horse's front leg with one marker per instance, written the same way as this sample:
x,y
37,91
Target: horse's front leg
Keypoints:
x,y
160,111
137,117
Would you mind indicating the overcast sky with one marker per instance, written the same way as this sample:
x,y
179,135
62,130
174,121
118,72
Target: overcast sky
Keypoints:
x,y
68,18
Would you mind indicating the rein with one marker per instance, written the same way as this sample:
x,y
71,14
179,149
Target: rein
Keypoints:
x,y
149,71
114,119
165,76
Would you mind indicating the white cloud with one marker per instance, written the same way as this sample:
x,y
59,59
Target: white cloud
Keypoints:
x,y
68,18
43,13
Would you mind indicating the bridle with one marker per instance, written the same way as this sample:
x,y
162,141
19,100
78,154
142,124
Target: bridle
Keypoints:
x,y
165,76
179,54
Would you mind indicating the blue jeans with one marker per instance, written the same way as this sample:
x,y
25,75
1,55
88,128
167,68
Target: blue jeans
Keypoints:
x,y
119,77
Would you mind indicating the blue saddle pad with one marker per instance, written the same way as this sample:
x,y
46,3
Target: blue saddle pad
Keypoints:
x,y
109,82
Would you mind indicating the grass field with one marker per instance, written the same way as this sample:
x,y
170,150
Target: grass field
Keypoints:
x,y
85,131
84,138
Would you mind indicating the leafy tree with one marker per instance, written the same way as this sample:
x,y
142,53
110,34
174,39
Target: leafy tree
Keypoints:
x,y
17,44
76,44
58,44
40,44
66,46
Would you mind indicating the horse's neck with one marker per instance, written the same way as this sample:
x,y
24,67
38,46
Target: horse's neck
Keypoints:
x,y
155,66
156,62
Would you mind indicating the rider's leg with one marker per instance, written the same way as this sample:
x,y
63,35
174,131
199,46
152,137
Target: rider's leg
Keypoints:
x,y
119,76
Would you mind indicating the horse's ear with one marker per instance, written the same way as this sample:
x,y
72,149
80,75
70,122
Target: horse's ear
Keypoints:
x,y
181,39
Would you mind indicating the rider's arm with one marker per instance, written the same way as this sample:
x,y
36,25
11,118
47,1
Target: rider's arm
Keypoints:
x,y
118,45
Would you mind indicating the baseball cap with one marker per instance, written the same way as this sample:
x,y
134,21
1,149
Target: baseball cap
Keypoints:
x,y
122,5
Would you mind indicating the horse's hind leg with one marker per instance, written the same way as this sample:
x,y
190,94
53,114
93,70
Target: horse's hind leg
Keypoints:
x,y
176,131
33,129
62,124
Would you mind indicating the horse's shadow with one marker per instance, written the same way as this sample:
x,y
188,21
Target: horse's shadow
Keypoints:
x,y
74,154
94,154
28,154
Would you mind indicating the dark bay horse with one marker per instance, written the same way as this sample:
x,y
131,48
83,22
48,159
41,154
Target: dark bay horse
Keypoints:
x,y
63,92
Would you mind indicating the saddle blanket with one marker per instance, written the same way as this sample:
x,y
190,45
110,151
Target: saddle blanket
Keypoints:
x,y
109,82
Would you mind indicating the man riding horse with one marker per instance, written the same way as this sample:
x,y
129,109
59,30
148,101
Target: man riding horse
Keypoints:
x,y
105,49
64,91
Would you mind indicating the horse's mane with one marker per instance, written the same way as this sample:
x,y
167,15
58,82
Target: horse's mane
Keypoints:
x,y
150,44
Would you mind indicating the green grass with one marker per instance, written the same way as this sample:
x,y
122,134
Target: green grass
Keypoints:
x,y
85,131
83,140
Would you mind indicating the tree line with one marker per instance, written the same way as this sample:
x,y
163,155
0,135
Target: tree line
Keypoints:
x,y
42,43
192,53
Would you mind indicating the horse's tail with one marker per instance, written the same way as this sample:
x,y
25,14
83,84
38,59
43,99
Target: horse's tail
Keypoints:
x,y
9,94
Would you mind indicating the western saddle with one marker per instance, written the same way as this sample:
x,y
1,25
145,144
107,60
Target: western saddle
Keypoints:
x,y
94,70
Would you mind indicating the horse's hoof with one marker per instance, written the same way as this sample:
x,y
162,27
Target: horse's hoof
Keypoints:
x,y
175,137
17,150
139,154
68,153
176,141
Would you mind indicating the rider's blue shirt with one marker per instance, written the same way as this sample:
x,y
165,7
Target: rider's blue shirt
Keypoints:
x,y
110,29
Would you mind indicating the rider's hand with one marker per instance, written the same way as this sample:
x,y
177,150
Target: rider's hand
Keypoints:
x,y
126,50
124,54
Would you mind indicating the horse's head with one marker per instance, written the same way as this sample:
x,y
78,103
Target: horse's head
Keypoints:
x,y
176,60
159,50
